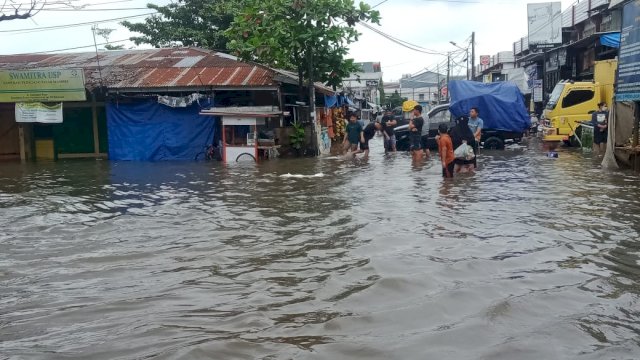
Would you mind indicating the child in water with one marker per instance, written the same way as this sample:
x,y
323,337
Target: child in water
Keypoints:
x,y
445,149
550,147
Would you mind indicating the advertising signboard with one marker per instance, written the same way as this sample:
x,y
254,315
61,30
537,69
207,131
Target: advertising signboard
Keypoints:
x,y
45,85
38,113
537,91
545,25
628,81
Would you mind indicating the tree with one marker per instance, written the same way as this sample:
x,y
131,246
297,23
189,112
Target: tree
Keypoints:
x,y
20,10
105,33
198,23
381,91
395,100
310,37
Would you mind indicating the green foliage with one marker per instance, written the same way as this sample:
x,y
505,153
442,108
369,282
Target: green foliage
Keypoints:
x,y
297,137
395,100
198,23
113,47
308,36
381,91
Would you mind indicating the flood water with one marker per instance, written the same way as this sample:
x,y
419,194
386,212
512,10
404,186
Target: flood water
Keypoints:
x,y
532,258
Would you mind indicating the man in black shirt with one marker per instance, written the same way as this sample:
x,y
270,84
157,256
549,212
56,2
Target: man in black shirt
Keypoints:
x,y
388,125
368,134
600,122
415,133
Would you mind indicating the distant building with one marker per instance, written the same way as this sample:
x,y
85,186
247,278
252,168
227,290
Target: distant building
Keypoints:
x,y
362,87
502,67
426,88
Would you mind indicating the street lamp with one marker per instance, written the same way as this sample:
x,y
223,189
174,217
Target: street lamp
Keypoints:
x,y
466,52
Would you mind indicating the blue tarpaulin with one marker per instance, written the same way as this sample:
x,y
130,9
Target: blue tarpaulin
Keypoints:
x,y
501,104
148,131
330,101
611,40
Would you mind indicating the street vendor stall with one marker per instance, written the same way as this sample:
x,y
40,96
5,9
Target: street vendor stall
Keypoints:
x,y
240,127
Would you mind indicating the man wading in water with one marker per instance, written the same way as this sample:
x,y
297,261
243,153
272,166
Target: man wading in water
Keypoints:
x,y
415,135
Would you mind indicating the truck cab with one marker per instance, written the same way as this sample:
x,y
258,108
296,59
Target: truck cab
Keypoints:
x,y
573,102
570,104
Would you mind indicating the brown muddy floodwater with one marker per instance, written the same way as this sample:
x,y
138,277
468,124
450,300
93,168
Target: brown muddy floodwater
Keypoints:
x,y
533,258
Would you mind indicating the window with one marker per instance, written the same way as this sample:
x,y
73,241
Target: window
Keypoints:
x,y
421,97
576,97
443,116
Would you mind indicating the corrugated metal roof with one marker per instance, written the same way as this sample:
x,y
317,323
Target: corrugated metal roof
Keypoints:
x,y
154,68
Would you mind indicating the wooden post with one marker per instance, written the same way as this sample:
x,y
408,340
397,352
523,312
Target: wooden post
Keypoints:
x,y
636,124
281,103
23,153
94,116
224,142
255,141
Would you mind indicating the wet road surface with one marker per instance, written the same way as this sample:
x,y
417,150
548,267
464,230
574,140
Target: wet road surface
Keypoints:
x,y
532,258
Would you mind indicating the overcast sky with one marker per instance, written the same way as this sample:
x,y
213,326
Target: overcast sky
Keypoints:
x,y
429,24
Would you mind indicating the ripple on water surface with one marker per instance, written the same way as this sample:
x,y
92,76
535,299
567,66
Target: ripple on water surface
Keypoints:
x,y
532,258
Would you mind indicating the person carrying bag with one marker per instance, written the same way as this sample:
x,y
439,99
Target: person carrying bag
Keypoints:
x,y
464,143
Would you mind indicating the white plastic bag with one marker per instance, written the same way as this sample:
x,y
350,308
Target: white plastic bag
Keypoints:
x,y
464,152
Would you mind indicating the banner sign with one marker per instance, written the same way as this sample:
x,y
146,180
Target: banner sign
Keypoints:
x,y
45,85
628,82
537,91
38,113
545,25
531,73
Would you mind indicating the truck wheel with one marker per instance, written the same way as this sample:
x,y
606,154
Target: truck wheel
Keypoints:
x,y
494,143
573,142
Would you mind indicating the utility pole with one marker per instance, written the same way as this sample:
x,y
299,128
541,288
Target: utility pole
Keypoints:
x,y
468,72
439,88
312,104
473,56
448,71
93,30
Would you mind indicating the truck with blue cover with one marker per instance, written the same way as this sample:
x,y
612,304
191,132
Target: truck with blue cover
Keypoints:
x,y
501,107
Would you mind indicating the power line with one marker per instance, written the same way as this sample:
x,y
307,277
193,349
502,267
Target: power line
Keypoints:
x,y
401,42
65,26
471,2
68,3
82,9
72,48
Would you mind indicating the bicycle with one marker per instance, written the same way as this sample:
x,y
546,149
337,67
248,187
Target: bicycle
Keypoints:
x,y
209,153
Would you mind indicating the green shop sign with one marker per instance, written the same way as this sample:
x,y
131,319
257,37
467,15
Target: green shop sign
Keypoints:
x,y
44,85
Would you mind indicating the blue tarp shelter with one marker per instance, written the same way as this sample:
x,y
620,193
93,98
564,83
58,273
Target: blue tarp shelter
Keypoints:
x,y
501,104
330,101
148,131
611,40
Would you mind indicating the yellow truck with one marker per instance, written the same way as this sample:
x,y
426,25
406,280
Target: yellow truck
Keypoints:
x,y
573,102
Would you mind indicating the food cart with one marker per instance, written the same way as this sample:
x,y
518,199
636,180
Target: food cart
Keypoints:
x,y
240,127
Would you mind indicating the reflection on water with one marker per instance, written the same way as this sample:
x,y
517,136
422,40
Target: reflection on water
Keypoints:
x,y
532,258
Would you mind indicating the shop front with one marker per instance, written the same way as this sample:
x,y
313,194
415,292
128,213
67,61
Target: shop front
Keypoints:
x,y
44,114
